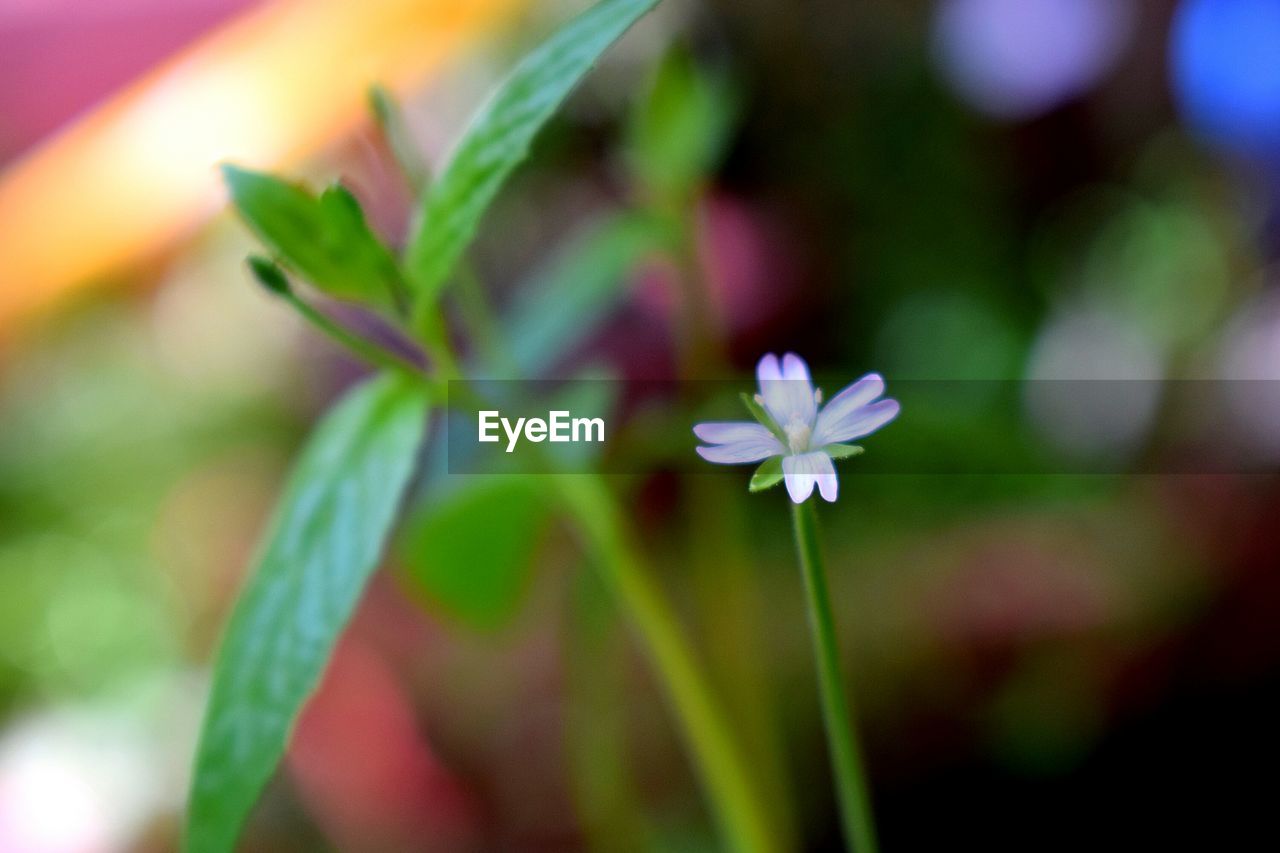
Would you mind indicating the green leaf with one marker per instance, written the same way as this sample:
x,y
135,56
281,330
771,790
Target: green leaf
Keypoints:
x,y
470,551
325,240
565,300
499,136
679,130
768,475
762,417
323,544
842,451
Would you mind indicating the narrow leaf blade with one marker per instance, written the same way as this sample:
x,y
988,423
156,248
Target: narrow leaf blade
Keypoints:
x,y
762,417
843,451
499,136
323,544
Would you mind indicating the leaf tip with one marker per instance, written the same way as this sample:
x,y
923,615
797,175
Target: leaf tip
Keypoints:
x,y
232,174
269,275
380,103
768,475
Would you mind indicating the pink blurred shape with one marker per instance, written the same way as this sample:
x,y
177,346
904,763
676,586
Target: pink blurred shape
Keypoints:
x,y
1009,586
58,58
363,768
749,261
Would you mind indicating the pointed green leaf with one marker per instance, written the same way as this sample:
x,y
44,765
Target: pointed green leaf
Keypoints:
x,y
325,240
680,127
470,551
499,136
323,544
843,451
768,475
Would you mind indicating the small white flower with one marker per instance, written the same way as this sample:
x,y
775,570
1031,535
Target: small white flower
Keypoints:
x,y
793,428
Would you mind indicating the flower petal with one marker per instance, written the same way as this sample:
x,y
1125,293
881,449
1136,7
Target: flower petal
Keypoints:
x,y
768,369
825,473
741,452
786,389
801,474
856,396
854,423
731,432
793,367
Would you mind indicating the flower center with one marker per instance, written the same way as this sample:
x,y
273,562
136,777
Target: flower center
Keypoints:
x,y
798,434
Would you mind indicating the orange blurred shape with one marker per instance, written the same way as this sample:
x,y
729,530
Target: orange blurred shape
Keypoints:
x,y
269,86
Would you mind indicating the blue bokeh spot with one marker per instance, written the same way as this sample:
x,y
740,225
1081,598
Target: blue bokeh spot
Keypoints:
x,y
1225,63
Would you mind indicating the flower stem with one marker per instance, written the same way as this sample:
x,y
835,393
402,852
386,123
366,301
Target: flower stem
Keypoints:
x,y
434,337
477,313
837,714
718,757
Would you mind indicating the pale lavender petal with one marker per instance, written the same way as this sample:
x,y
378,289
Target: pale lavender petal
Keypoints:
x,y
856,396
730,432
800,475
793,367
825,472
855,423
786,389
741,452
768,369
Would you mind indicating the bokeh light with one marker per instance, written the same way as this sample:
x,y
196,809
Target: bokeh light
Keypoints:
x,y
1093,383
1015,59
1226,72
141,170
1250,362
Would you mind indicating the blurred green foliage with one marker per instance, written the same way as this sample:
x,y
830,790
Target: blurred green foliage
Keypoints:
x,y
326,239
899,233
326,539
680,128
470,551
96,434
342,498
565,300
499,137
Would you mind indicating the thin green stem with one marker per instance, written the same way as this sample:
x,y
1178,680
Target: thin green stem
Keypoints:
x,y
481,322
362,348
435,340
719,759
401,300
719,568
837,713
717,756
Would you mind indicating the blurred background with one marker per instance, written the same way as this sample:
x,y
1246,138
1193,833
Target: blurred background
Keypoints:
x,y
961,189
